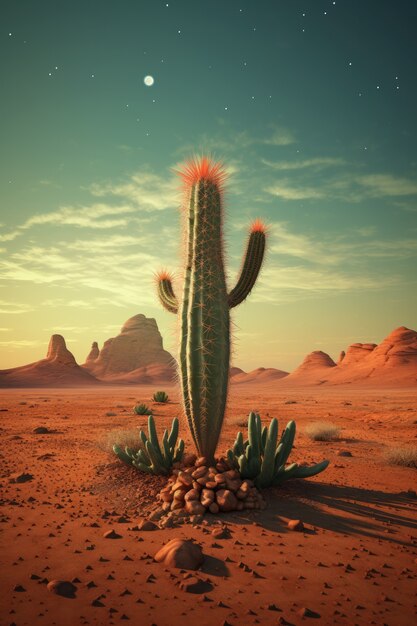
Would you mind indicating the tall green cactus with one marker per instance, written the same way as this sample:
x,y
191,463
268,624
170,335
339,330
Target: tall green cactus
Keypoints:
x,y
204,353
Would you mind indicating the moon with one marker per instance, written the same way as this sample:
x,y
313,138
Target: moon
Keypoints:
x,y
149,81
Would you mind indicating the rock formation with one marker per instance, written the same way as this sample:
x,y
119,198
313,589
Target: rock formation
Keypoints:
x,y
93,354
316,360
392,362
58,369
260,375
138,346
357,352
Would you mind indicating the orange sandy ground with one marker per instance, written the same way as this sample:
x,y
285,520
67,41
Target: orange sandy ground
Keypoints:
x,y
355,564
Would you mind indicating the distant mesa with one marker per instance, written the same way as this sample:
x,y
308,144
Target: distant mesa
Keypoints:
x,y
315,360
234,371
58,369
260,375
392,362
135,355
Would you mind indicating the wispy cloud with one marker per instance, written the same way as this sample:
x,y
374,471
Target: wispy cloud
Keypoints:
x,y
13,308
22,343
144,192
286,284
348,186
317,163
283,189
380,185
144,189
331,250
280,137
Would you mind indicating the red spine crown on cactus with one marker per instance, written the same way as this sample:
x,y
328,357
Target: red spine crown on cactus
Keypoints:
x,y
202,168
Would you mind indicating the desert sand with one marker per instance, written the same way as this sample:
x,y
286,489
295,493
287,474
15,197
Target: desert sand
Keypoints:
x,y
354,563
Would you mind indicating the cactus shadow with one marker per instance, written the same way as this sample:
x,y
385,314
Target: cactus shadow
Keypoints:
x,y
341,509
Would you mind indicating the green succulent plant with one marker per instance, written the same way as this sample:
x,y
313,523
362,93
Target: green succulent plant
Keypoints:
x,y
263,458
160,396
153,457
142,409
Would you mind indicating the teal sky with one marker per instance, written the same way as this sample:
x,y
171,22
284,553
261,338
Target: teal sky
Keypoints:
x,y
311,106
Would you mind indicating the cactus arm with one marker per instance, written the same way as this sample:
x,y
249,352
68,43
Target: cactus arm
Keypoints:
x,y
287,441
254,439
252,263
268,463
264,435
153,437
156,460
306,472
122,454
232,459
143,467
173,435
167,450
238,447
179,452
166,293
284,473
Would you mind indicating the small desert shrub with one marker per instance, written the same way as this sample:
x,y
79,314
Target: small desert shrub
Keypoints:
x,y
322,431
241,422
142,409
122,438
406,456
160,396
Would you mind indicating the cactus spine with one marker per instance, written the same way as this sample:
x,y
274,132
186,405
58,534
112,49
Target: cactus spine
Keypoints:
x,y
204,353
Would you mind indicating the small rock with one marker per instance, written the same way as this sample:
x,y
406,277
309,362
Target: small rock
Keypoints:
x,y
181,553
344,453
20,478
193,494
201,461
111,534
295,524
304,612
41,430
194,507
147,525
226,500
221,533
62,588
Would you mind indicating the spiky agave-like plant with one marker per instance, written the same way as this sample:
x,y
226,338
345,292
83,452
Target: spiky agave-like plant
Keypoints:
x,y
160,396
204,352
153,457
263,458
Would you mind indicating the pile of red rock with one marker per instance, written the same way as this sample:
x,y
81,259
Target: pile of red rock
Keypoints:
x,y
203,488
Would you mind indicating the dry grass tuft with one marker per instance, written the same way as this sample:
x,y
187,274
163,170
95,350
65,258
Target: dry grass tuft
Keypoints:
x,y
405,456
240,422
123,438
322,431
